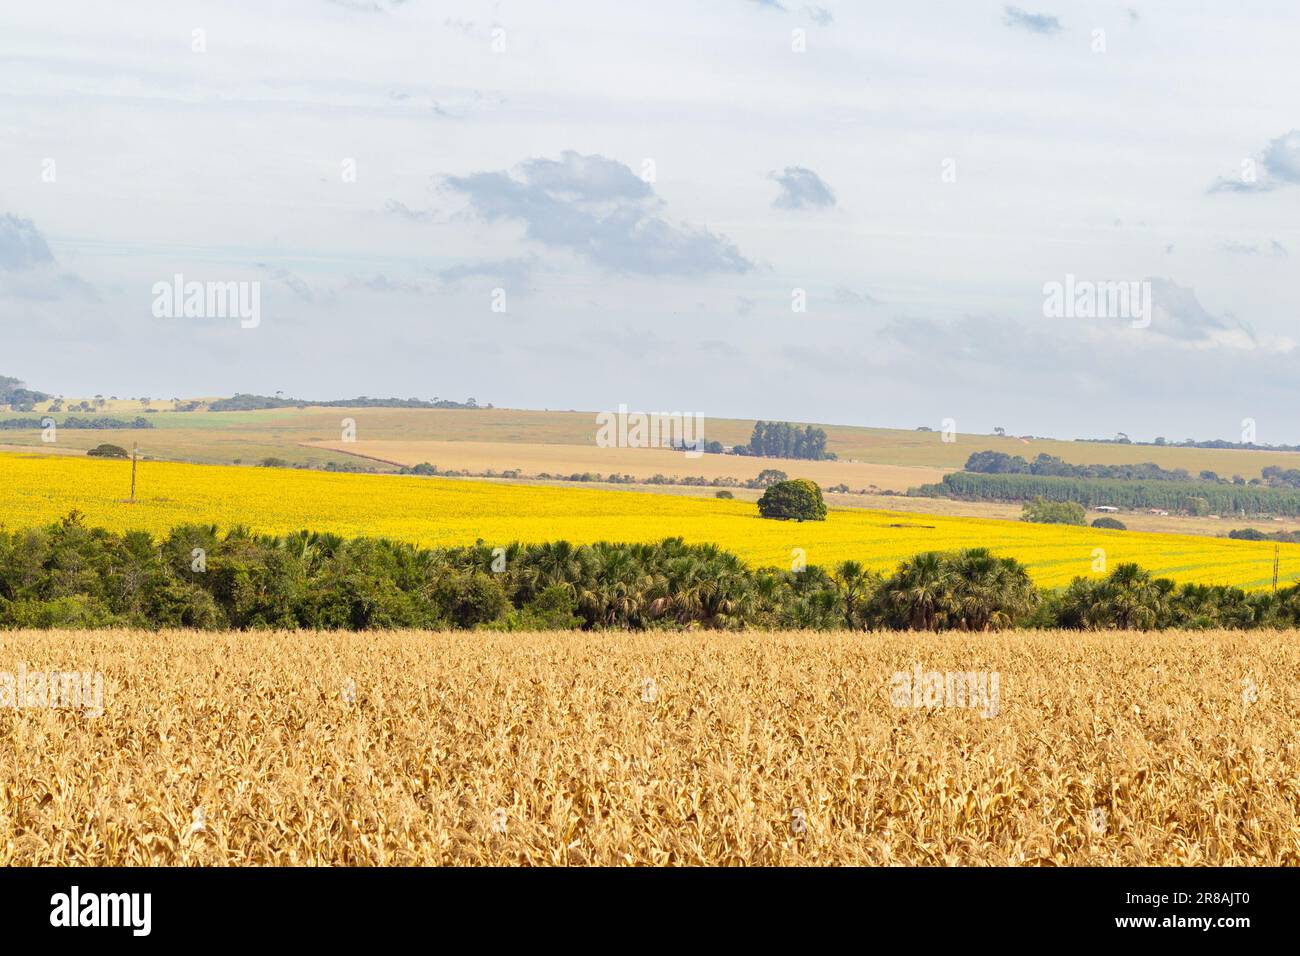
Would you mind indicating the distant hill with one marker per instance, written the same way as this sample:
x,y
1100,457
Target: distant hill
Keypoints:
x,y
247,403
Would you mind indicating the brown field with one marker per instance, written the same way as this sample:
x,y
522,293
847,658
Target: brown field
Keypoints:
x,y
471,748
535,459
123,406
41,449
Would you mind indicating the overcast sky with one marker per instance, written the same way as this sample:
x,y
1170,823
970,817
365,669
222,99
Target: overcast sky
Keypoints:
x,y
652,187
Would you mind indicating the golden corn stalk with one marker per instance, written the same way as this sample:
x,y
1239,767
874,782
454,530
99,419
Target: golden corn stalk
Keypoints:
x,y
654,749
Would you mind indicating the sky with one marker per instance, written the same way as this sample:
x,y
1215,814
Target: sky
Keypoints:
x,y
834,212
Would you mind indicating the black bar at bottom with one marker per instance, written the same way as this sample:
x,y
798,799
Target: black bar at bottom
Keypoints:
x,y
335,906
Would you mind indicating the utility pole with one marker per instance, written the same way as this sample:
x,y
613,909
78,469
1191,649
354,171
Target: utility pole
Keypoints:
x,y
135,448
1276,557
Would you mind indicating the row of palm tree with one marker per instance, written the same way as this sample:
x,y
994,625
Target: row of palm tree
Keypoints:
x,y
68,575
670,582
1129,598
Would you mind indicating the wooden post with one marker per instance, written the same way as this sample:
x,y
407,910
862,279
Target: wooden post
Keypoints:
x,y
1276,557
134,449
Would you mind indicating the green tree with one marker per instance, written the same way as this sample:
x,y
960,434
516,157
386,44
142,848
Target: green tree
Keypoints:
x,y
768,477
989,592
108,451
471,599
1128,600
1042,511
856,587
919,594
796,498
1112,524
552,610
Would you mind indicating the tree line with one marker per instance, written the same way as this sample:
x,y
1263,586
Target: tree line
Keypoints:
x,y
1197,497
68,575
1281,477
1000,463
241,402
1161,442
1254,534
784,440
73,422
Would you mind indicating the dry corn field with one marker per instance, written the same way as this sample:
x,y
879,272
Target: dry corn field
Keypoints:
x,y
679,749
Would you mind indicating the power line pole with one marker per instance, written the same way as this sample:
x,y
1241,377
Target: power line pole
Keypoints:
x,y
136,448
1276,557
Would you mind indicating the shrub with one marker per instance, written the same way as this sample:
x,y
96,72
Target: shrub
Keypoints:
x,y
723,494
796,498
552,610
108,451
174,603
471,599
1041,511
70,612
1112,523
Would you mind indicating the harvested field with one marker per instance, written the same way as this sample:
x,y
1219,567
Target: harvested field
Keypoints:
x,y
535,459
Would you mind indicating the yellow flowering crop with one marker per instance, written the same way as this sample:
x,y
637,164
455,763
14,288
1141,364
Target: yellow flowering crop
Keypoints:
x,y
36,489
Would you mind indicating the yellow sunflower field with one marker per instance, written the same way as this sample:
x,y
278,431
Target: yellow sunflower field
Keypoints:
x,y
38,489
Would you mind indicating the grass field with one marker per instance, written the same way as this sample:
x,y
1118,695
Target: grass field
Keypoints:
x,y
667,749
434,511
222,437
539,458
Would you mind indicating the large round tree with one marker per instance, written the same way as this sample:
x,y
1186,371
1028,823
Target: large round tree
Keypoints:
x,y
796,498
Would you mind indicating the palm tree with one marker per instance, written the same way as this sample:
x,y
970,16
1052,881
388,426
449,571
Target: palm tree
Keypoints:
x,y
855,585
990,592
620,588
1129,599
921,590
555,563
